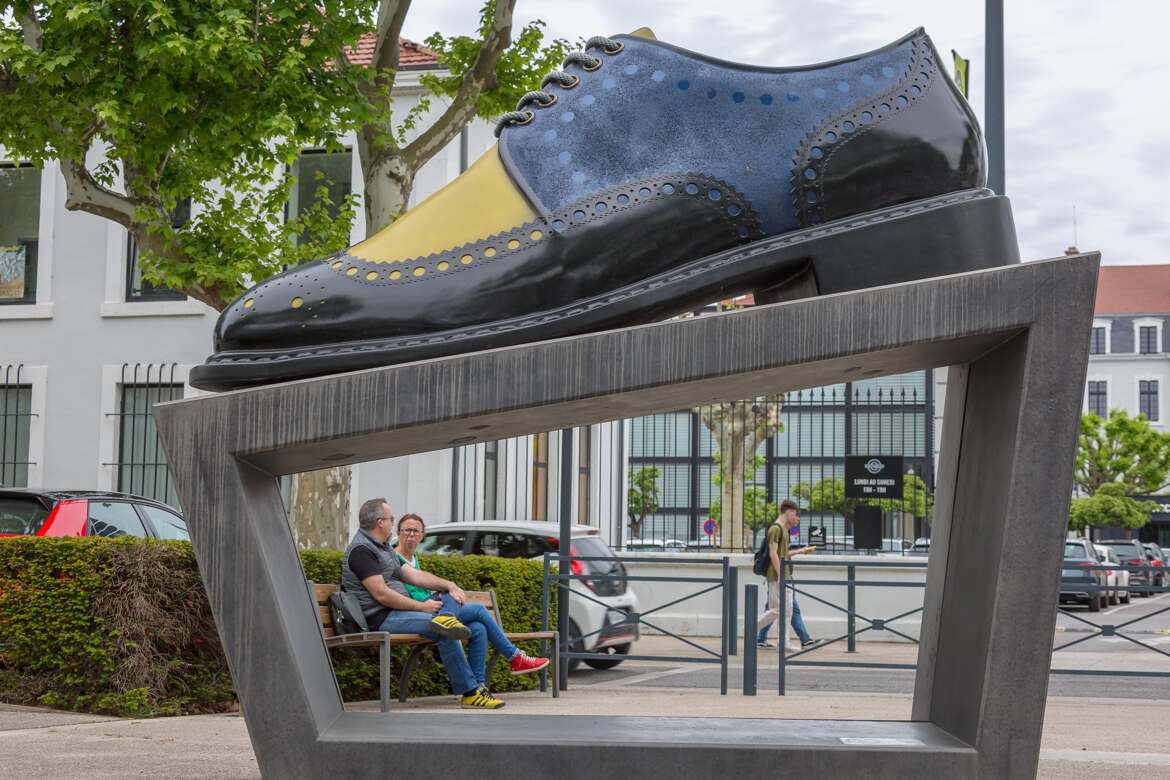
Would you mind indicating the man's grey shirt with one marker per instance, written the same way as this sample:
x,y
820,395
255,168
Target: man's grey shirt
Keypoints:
x,y
390,568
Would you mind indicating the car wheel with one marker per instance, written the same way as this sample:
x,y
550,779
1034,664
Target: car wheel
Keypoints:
x,y
1126,598
1114,598
609,663
1094,603
575,646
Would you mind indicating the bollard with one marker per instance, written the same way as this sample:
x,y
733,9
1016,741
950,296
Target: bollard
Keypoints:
x,y
750,605
782,623
851,605
734,611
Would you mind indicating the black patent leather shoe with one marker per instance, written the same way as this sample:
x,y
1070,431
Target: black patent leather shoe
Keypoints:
x,y
644,181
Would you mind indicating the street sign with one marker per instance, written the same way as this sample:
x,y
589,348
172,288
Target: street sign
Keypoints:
x,y
709,527
873,476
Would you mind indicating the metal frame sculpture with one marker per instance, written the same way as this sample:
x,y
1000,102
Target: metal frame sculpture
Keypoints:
x,y
1015,338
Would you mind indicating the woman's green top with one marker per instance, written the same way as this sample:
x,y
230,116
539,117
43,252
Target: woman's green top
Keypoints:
x,y
416,593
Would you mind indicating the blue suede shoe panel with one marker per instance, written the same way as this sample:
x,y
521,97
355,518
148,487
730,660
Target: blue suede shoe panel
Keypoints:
x,y
652,109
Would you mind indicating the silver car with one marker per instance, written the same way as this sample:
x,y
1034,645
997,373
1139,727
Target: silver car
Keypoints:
x,y
598,617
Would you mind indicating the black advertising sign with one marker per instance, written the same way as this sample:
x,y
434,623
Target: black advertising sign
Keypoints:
x,y
873,476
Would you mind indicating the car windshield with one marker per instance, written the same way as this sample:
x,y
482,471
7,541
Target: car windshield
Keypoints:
x,y
21,515
1074,550
1123,549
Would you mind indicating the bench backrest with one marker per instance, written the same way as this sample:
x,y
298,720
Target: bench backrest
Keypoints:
x,y
321,594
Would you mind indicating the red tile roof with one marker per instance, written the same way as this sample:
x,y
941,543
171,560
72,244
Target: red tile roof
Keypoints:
x,y
410,54
1133,289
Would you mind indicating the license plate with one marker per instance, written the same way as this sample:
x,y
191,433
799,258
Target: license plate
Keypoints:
x,y
1074,573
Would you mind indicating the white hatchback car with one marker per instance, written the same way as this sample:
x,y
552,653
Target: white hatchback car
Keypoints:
x,y
598,617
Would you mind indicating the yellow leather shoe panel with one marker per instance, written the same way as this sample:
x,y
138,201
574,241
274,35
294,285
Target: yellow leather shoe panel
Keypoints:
x,y
483,201
644,32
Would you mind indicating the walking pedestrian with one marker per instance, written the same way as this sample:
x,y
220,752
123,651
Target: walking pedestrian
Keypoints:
x,y
779,550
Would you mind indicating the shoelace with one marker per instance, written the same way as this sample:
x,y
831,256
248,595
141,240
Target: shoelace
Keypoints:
x,y
565,80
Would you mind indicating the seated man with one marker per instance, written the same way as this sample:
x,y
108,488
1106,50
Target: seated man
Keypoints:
x,y
483,627
372,572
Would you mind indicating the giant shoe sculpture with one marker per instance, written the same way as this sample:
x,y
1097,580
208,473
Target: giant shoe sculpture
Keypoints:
x,y
640,182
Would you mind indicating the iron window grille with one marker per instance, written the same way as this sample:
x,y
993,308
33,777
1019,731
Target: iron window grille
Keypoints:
x,y
141,466
18,241
138,288
584,472
15,419
1148,339
1148,399
1097,341
1099,398
893,416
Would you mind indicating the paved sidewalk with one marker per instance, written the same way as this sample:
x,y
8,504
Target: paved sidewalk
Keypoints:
x,y
1083,737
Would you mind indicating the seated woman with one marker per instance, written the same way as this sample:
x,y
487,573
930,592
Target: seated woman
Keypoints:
x,y
483,627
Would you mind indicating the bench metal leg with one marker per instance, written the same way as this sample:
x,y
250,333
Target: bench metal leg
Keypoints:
x,y
384,674
412,662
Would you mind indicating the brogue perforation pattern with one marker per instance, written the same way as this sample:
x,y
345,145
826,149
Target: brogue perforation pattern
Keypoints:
x,y
817,150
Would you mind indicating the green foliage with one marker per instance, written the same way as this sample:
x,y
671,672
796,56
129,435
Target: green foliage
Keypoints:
x,y
203,100
642,496
828,495
758,511
520,68
123,627
1110,505
1122,449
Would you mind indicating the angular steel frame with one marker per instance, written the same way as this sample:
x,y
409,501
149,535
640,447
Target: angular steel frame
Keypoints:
x,y
1016,338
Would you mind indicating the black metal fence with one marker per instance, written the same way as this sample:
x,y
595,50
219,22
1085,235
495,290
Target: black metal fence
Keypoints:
x,y
141,466
571,647
15,422
858,624
787,446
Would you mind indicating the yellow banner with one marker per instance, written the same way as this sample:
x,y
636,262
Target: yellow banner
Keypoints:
x,y
962,70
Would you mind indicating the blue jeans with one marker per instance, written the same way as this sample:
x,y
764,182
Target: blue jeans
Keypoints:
x,y
797,625
465,672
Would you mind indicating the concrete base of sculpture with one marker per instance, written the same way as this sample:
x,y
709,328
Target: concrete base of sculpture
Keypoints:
x,y
1016,336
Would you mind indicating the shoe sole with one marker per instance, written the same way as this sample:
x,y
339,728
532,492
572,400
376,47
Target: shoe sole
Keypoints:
x,y
489,709
451,633
963,231
532,670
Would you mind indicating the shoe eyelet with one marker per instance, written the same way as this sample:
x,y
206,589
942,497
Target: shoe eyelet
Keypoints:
x,y
528,117
575,81
618,46
545,104
596,65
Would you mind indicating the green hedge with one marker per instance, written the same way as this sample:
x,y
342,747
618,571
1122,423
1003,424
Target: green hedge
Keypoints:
x,y
123,627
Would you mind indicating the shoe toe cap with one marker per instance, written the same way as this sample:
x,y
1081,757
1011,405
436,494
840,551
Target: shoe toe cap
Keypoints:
x,y
288,309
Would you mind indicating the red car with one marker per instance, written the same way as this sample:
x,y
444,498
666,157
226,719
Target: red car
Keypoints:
x,y
36,512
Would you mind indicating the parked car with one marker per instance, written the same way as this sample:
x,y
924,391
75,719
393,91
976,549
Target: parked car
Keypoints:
x,y
36,512
1118,574
1079,581
654,545
1158,561
921,547
1131,553
598,618
1114,574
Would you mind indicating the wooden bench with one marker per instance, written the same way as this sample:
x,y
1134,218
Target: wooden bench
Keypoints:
x,y
384,641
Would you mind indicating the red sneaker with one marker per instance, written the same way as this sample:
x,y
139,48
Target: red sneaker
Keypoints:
x,y
526,664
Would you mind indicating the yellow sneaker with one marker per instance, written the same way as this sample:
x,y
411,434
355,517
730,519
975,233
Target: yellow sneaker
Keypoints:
x,y
480,699
447,627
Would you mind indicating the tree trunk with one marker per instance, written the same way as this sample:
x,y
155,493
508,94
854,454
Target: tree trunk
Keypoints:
x,y
738,429
388,183
319,517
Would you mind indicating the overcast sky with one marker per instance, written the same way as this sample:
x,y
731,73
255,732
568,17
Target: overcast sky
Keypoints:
x,y
1088,88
